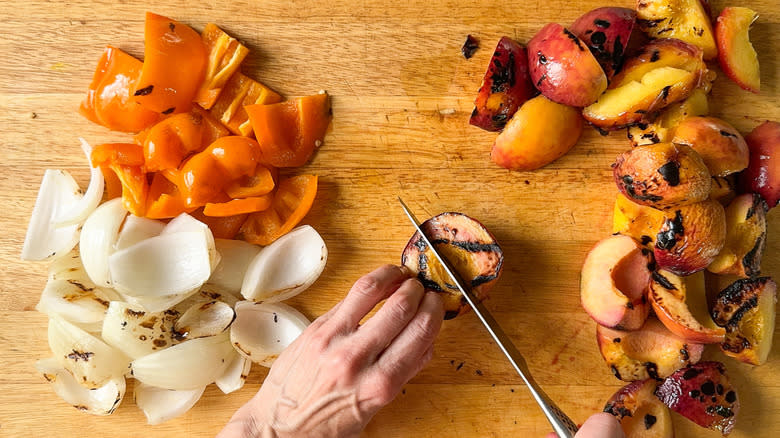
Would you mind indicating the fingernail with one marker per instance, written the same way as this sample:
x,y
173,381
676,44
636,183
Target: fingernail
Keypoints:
x,y
406,271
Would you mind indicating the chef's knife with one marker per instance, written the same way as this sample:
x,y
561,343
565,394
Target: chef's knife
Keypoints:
x,y
561,423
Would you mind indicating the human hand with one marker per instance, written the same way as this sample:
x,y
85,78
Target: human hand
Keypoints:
x,y
333,379
601,425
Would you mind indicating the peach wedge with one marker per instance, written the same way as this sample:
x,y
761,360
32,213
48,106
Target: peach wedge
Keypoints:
x,y
681,305
650,352
640,412
614,279
736,55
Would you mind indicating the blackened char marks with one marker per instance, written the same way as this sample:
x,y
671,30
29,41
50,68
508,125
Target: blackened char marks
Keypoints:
x,y
604,24
671,173
633,190
670,231
663,281
469,47
574,38
503,77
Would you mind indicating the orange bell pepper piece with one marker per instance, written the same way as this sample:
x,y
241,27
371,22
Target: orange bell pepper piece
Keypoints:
x,y
113,185
259,184
288,132
292,200
135,188
108,100
238,206
204,176
240,91
225,55
221,227
174,65
164,200
125,154
167,143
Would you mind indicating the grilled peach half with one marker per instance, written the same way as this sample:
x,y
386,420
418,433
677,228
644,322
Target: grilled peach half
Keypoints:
x,y
685,20
691,237
504,88
681,305
664,72
614,279
468,246
703,394
724,189
640,412
746,309
745,238
720,145
662,175
736,55
606,31
650,352
540,132
563,68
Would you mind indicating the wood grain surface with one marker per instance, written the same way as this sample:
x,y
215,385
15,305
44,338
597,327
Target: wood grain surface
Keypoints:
x,y
402,94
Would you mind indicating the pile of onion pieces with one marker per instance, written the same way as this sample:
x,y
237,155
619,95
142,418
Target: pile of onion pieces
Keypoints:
x,y
164,304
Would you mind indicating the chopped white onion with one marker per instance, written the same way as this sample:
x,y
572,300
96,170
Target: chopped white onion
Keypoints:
x,y
76,212
202,320
136,332
91,361
160,405
187,223
63,268
189,365
136,229
44,240
235,375
160,304
207,293
76,300
99,401
168,264
236,256
262,331
286,267
98,236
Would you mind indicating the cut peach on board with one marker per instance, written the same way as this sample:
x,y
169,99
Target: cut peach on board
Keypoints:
x,y
614,279
736,55
640,412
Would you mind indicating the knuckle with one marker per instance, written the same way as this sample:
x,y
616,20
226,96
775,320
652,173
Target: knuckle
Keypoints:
x,y
425,327
403,307
367,286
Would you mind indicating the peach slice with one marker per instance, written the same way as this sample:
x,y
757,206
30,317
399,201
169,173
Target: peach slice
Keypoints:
x,y
661,130
747,310
664,72
720,145
606,31
638,221
736,55
703,394
640,412
691,237
745,238
681,305
504,88
540,132
763,173
563,68
662,175
614,279
685,20
650,352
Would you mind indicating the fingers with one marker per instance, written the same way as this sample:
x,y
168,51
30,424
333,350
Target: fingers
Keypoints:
x,y
377,333
366,293
408,353
601,425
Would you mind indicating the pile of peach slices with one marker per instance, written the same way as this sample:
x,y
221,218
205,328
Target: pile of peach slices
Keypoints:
x,y
683,267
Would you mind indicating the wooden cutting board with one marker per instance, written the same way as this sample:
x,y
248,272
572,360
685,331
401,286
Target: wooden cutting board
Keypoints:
x,y
402,94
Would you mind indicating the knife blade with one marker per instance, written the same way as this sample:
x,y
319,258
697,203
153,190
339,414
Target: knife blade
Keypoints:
x,y
561,423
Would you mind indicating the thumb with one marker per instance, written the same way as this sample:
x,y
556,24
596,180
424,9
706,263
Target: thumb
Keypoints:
x,y
601,425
